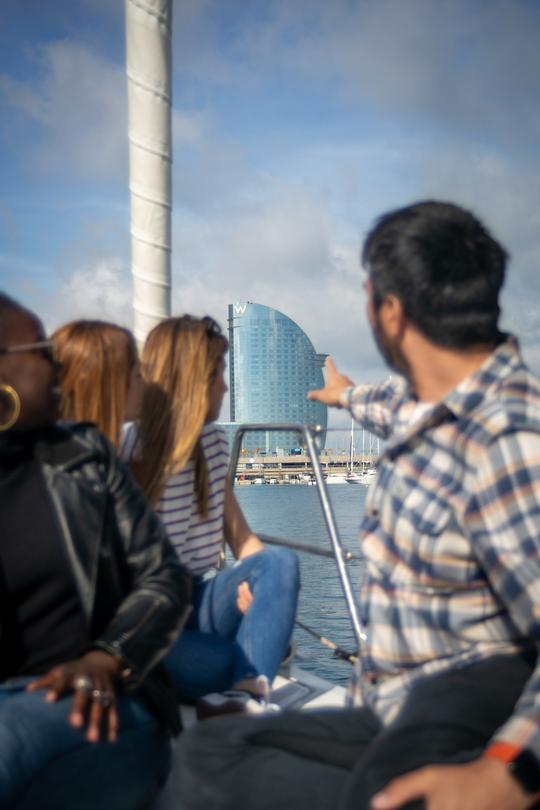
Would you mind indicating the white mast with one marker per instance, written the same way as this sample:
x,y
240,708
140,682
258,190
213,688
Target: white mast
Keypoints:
x,y
351,448
148,56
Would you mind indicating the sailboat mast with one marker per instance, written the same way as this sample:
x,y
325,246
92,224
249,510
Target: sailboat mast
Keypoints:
x,y
351,448
148,58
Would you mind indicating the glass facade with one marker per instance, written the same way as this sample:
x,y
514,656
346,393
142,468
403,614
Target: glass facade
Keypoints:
x,y
272,366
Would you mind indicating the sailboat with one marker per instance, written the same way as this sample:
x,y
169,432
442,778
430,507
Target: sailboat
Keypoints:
x,y
353,477
336,478
367,474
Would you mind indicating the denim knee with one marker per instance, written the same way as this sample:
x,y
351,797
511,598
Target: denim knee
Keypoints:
x,y
286,563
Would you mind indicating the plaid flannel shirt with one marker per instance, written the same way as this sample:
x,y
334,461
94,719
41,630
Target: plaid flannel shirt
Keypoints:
x,y
451,535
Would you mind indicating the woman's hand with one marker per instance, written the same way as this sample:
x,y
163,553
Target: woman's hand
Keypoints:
x,y
93,678
244,598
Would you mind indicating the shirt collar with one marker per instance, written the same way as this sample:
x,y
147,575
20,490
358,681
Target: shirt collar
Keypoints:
x,y
463,398
470,392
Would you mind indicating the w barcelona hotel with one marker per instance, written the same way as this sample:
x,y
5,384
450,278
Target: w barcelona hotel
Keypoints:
x,y
272,366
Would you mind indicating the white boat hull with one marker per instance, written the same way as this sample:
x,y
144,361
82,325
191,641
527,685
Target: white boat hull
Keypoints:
x,y
336,479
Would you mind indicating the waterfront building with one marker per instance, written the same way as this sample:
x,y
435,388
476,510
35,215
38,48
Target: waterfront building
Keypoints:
x,y
272,366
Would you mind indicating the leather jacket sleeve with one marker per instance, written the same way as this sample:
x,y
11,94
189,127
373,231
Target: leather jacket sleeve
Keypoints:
x,y
149,619
134,592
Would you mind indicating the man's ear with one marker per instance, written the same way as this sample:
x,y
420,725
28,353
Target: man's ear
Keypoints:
x,y
392,316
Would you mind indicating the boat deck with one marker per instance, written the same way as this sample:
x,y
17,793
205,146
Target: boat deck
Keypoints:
x,y
293,689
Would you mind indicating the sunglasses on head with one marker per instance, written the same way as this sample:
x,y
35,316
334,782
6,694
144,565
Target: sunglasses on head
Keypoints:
x,y
44,347
212,327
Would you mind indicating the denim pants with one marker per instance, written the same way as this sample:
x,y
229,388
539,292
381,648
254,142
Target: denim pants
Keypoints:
x,y
47,764
220,645
337,759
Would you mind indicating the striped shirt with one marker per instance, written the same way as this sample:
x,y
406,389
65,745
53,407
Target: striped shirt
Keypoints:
x,y
198,540
451,535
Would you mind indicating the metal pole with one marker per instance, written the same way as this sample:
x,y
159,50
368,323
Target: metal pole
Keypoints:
x,y
351,448
307,433
333,534
348,556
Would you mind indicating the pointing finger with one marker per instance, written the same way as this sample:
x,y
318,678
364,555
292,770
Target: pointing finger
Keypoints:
x,y
330,366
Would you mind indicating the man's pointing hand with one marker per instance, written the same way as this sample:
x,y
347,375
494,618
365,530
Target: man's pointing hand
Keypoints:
x,y
336,383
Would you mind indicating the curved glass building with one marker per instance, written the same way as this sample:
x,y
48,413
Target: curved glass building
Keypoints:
x,y
272,366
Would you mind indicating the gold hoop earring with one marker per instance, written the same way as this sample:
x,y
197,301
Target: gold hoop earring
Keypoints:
x,y
16,400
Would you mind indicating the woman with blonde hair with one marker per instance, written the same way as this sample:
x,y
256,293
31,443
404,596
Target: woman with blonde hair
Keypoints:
x,y
243,615
100,375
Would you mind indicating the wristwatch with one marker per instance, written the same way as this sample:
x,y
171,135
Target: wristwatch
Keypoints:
x,y
525,769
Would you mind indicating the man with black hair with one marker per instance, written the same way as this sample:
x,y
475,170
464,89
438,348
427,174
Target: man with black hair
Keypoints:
x,y
448,684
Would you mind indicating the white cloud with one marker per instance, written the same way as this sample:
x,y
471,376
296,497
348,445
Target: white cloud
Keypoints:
x,y
283,250
462,64
505,195
100,290
285,230
77,101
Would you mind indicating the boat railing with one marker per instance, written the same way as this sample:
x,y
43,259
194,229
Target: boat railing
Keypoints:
x,y
307,548
308,438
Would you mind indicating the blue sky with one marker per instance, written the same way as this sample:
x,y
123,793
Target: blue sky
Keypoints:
x,y
295,124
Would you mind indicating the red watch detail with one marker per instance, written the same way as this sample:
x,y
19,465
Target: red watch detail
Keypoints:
x,y
504,752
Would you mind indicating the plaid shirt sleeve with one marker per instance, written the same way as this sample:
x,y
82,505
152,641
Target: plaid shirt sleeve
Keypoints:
x,y
374,406
503,522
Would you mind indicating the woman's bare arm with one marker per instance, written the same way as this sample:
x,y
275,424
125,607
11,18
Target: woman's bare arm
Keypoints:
x,y
241,540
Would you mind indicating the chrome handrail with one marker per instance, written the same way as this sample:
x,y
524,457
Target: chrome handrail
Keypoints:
x,y
295,545
308,434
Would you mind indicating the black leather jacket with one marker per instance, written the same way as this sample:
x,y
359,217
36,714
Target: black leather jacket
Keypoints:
x,y
133,591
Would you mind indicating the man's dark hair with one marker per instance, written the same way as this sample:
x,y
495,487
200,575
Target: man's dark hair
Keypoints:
x,y
445,268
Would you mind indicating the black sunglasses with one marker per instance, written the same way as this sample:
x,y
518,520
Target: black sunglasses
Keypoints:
x,y
212,327
45,347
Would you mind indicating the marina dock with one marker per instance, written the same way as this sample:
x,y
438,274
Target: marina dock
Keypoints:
x,y
293,469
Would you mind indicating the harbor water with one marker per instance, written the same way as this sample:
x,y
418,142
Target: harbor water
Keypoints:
x,y
294,512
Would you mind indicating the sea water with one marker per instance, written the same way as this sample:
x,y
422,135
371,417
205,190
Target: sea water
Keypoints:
x,y
295,513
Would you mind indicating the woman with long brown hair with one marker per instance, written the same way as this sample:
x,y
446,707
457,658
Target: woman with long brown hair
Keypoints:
x,y
100,375
243,616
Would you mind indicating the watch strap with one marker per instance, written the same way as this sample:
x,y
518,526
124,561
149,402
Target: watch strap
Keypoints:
x,y
505,752
522,764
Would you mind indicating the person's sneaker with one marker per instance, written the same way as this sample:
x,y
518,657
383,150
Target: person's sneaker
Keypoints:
x,y
236,701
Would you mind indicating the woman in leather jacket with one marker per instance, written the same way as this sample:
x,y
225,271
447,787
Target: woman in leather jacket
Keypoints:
x,y
92,596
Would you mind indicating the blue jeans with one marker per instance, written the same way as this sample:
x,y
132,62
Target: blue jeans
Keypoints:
x,y
221,645
46,763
